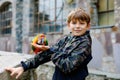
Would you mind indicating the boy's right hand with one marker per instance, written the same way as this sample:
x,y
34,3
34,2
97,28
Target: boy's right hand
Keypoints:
x,y
15,72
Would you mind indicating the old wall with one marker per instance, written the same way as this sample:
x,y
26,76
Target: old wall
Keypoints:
x,y
43,72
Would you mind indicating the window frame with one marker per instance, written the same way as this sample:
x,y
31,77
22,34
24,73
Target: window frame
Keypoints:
x,y
107,11
6,19
54,21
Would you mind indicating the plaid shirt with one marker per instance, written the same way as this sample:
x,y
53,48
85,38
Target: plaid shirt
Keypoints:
x,y
68,54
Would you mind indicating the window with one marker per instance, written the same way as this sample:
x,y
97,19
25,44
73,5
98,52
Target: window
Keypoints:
x,y
106,12
5,18
48,16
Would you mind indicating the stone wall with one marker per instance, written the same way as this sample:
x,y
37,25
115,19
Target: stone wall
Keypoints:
x,y
43,72
5,76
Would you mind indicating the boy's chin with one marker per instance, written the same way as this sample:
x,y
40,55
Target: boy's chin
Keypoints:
x,y
76,34
79,34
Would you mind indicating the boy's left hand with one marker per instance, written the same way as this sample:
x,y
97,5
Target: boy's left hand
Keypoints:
x,y
41,47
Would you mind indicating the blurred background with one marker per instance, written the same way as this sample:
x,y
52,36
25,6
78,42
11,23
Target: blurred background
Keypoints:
x,y
21,20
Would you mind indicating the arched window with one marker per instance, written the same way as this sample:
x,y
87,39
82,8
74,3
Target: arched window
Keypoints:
x,y
5,18
48,16
106,12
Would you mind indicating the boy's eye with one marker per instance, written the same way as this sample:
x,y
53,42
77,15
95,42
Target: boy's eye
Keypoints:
x,y
82,23
73,22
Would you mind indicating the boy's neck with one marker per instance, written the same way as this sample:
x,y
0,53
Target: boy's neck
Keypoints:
x,y
87,32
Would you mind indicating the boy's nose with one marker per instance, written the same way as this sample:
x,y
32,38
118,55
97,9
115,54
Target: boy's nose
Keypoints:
x,y
77,25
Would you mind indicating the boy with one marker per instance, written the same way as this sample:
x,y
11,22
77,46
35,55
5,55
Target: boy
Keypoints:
x,y
70,54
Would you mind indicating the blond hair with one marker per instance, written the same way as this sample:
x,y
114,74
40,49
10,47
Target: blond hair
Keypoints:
x,y
78,14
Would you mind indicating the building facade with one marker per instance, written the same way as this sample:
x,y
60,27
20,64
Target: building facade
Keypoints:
x,y
21,20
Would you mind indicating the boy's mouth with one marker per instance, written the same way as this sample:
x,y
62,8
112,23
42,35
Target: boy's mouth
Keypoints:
x,y
77,31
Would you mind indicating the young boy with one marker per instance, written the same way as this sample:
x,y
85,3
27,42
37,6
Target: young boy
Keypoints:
x,y
70,54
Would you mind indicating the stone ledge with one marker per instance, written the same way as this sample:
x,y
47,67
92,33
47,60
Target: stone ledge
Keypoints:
x,y
6,76
115,76
10,59
45,71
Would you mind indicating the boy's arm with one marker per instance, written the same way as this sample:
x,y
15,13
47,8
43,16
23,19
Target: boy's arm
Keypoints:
x,y
40,58
70,59
37,60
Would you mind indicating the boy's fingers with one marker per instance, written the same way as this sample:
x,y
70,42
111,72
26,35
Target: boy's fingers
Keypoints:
x,y
13,74
18,75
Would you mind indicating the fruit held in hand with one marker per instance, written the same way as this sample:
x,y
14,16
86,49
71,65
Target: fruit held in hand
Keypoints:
x,y
40,39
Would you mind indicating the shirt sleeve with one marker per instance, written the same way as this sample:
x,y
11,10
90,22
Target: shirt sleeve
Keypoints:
x,y
37,60
70,59
40,58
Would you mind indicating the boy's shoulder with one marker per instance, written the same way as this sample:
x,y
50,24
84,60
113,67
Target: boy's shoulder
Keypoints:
x,y
85,37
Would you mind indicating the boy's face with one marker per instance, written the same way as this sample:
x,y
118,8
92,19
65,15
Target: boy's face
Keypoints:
x,y
78,28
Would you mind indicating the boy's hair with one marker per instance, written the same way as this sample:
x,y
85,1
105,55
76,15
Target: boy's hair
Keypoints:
x,y
78,14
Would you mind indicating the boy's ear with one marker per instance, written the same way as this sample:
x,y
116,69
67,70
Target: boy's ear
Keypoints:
x,y
88,26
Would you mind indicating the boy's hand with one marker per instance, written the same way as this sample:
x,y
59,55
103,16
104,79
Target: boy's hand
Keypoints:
x,y
15,72
41,47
